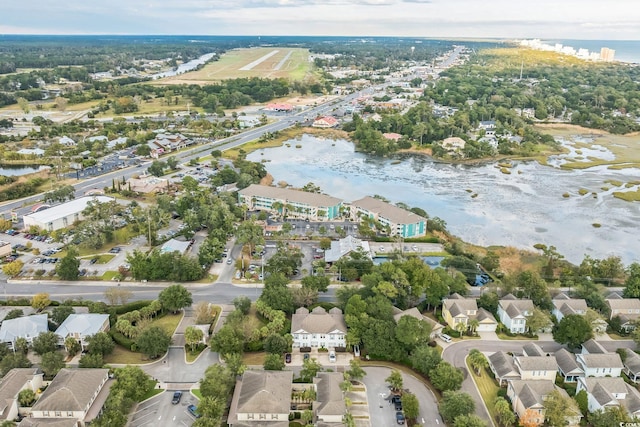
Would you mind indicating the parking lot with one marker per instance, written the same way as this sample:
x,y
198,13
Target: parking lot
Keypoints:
x,y
159,411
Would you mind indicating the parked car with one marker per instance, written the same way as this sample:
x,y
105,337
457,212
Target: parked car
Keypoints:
x,y
306,356
445,338
332,356
93,261
176,397
287,358
229,261
397,403
193,410
400,418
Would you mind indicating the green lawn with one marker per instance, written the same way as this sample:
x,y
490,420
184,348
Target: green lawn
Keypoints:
x,y
169,322
488,390
153,392
254,358
516,338
123,356
196,393
109,275
192,356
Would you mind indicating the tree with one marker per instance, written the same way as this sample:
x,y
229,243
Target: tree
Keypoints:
x,y
250,233
355,372
26,397
13,268
538,320
317,283
425,358
582,399
45,342
505,415
157,168
276,344
21,345
572,330
117,295
469,421
204,313
172,162
310,367
153,342
557,407
228,340
395,380
193,336
40,301
14,314
325,243
133,382
72,346
612,416
243,304
91,361
632,284
175,297
67,268
60,313
477,360
273,362
24,105
410,406
454,404
51,363
412,332
218,382
100,343
13,360
445,377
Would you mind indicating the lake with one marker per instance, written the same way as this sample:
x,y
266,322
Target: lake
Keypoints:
x,y
8,170
520,209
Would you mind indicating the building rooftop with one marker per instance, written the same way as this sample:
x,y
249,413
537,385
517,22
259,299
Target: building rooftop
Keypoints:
x,y
329,397
392,213
72,390
343,247
65,209
289,195
85,324
11,384
264,392
173,245
25,327
318,321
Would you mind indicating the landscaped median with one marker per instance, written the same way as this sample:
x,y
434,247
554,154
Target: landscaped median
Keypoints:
x,y
486,385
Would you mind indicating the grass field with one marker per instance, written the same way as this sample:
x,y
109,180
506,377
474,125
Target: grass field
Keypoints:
x,y
289,63
488,390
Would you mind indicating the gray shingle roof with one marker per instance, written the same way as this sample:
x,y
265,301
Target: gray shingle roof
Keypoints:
x,y
593,347
605,389
567,362
25,327
532,349
265,392
632,361
537,363
568,306
609,360
11,384
460,306
516,307
318,321
329,398
502,365
85,324
532,392
72,390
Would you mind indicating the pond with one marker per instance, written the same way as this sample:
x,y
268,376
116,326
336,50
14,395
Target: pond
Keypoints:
x,y
9,170
480,204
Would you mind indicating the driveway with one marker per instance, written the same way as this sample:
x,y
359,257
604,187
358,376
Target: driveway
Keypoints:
x,y
381,410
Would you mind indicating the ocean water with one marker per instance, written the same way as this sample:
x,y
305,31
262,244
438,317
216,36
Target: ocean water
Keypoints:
x,y
626,50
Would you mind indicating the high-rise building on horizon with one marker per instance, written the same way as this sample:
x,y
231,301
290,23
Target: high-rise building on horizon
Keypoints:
x,y
607,54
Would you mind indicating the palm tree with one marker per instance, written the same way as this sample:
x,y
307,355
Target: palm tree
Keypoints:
x,y
477,361
473,325
461,327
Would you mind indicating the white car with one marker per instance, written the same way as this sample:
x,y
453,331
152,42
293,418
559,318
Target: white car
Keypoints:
x,y
446,338
332,356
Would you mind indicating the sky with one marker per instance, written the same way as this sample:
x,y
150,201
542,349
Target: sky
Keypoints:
x,y
545,19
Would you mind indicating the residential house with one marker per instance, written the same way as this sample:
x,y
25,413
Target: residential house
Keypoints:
x,y
318,328
279,107
489,127
592,347
391,136
536,367
400,222
261,398
35,152
627,309
5,249
564,306
513,313
48,422
11,385
329,406
436,327
503,368
632,365
81,326
600,365
77,394
173,245
148,184
27,327
603,393
528,396
453,144
66,141
292,203
325,122
170,142
531,349
456,309
567,366
343,247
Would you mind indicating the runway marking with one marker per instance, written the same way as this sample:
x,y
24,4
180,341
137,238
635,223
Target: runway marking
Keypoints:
x,y
259,61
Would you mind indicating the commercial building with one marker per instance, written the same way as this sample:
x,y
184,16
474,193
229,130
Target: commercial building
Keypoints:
x,y
290,203
63,215
400,222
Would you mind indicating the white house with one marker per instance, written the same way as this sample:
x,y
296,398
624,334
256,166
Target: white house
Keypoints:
x,y
567,366
318,328
627,309
11,385
81,326
605,393
600,365
27,327
513,313
564,306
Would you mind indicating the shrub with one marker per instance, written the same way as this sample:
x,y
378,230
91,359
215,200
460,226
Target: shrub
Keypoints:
x,y
305,349
132,306
121,339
